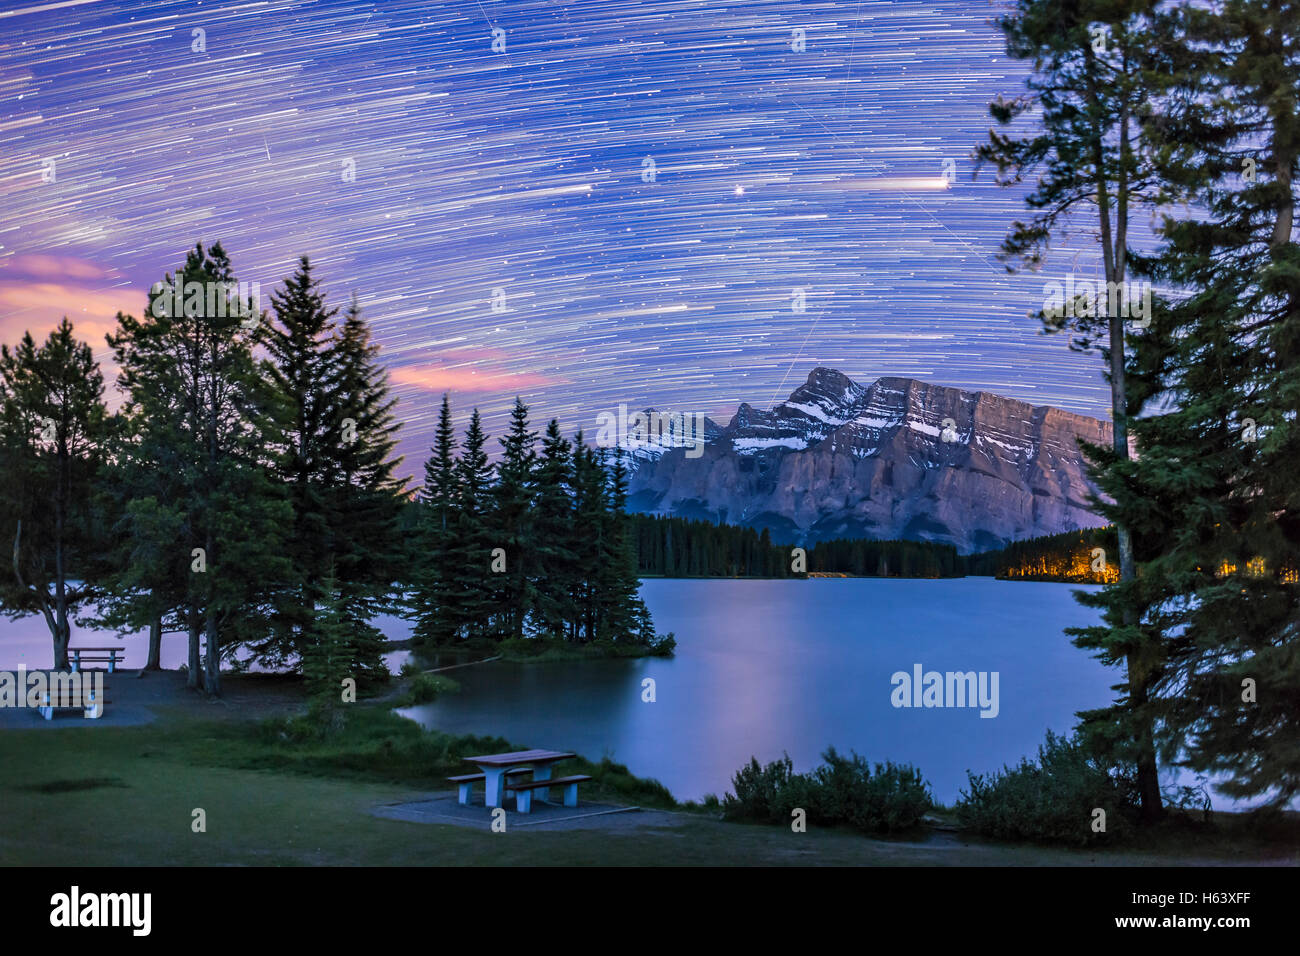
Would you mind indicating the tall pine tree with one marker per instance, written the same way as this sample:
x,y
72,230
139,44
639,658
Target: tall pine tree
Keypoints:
x,y
472,589
557,549
198,399
1215,477
304,454
364,498
434,587
53,432
623,615
512,525
1093,65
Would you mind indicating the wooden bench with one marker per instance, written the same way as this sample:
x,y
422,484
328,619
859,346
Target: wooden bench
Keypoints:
x,y
96,656
524,791
465,782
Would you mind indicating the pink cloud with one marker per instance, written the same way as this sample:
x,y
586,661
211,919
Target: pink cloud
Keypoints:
x,y
55,267
433,378
39,306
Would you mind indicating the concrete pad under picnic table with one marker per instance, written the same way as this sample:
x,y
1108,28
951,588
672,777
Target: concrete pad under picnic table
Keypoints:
x,y
445,809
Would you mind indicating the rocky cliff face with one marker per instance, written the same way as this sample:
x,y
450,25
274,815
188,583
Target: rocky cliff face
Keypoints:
x,y
895,459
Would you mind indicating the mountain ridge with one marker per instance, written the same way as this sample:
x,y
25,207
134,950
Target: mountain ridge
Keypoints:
x,y
898,458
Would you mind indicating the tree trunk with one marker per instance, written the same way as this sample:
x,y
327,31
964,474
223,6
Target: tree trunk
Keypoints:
x,y
1148,776
1286,211
152,663
59,636
63,627
212,663
192,620
62,637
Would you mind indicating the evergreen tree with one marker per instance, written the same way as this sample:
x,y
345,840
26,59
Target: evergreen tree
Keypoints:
x,y
1094,67
365,499
305,454
557,549
512,525
472,590
436,619
589,527
622,614
53,428
197,397
1214,485
327,652
139,583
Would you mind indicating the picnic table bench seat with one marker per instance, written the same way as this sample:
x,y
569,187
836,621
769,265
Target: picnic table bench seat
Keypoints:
x,y
47,709
465,782
524,791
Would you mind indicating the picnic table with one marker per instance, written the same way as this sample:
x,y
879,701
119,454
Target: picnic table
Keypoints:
x,y
86,702
97,655
495,767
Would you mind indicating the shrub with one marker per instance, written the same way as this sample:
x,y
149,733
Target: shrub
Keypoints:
x,y
843,790
664,645
895,797
324,718
758,791
1052,800
425,689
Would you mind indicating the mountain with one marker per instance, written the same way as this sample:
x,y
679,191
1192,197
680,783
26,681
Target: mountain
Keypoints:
x,y
898,458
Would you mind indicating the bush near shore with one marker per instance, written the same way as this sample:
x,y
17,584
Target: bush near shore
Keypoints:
x,y
1055,799
843,790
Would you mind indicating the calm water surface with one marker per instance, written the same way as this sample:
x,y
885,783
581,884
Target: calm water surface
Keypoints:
x,y
766,667
762,668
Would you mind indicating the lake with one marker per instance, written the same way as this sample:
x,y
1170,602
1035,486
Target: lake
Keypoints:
x,y
762,668
766,667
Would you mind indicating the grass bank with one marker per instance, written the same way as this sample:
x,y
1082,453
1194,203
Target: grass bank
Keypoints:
x,y
376,745
274,793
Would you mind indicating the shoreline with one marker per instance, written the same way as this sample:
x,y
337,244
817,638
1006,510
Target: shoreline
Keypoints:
x,y
194,746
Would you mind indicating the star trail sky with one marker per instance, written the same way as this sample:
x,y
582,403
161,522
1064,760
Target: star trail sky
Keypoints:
x,y
640,186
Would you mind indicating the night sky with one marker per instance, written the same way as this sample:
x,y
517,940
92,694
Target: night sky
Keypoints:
x,y
526,171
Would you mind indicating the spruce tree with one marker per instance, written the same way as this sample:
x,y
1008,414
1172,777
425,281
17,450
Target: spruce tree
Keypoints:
x,y
589,527
53,432
304,451
623,615
1215,478
512,525
327,658
432,596
473,589
1094,66
364,499
554,530
195,393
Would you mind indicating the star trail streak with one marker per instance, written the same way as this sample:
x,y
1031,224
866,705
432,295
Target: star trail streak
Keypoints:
x,y
585,203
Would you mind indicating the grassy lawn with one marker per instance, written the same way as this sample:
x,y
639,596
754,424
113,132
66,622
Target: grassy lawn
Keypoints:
x,y
124,796
276,795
